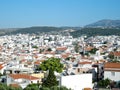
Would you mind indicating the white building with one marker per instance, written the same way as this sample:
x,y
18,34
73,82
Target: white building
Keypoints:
x,y
112,71
22,79
77,82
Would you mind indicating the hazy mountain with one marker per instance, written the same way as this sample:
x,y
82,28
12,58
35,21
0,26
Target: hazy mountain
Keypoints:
x,y
106,23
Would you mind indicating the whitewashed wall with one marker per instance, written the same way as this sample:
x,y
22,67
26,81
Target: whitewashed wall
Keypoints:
x,y
77,82
108,74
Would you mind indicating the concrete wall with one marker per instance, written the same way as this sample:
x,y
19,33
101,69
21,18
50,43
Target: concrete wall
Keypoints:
x,y
77,82
112,75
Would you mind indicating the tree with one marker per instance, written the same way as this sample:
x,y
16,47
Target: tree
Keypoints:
x,y
50,80
2,88
35,47
41,50
115,61
53,64
63,88
104,83
54,88
11,88
93,51
111,56
5,87
44,88
59,88
49,49
68,58
27,88
76,48
32,87
1,75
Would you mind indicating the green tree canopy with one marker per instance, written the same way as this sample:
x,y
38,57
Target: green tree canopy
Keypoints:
x,y
32,87
5,87
104,83
77,47
93,51
49,49
53,64
111,56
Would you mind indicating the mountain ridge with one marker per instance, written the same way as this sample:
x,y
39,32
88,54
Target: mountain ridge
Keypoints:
x,y
104,23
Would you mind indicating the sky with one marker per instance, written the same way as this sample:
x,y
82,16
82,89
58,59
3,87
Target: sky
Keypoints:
x,y
27,13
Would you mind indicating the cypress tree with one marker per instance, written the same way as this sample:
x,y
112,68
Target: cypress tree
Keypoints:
x,y
50,80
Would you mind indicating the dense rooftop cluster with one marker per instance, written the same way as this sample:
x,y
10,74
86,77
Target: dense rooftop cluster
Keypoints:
x,y
84,59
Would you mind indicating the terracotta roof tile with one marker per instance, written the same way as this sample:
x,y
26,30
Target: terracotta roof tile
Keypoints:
x,y
85,62
61,48
37,62
23,60
112,65
87,89
35,56
47,52
1,66
25,76
115,53
65,56
88,48
29,63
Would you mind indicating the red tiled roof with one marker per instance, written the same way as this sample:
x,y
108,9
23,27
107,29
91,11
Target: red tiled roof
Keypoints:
x,y
87,89
115,53
83,57
102,60
25,76
35,56
1,66
88,48
37,62
65,56
112,65
85,62
29,63
47,52
61,48
23,60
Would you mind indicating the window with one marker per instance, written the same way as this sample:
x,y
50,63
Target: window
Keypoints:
x,y
113,73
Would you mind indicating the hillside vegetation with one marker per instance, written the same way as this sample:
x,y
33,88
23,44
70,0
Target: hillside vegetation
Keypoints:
x,y
95,31
77,32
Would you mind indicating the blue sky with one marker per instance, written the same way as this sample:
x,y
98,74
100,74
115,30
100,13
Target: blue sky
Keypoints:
x,y
26,13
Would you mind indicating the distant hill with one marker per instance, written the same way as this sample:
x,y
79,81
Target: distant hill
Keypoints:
x,y
35,30
5,31
96,31
102,27
106,23
67,27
